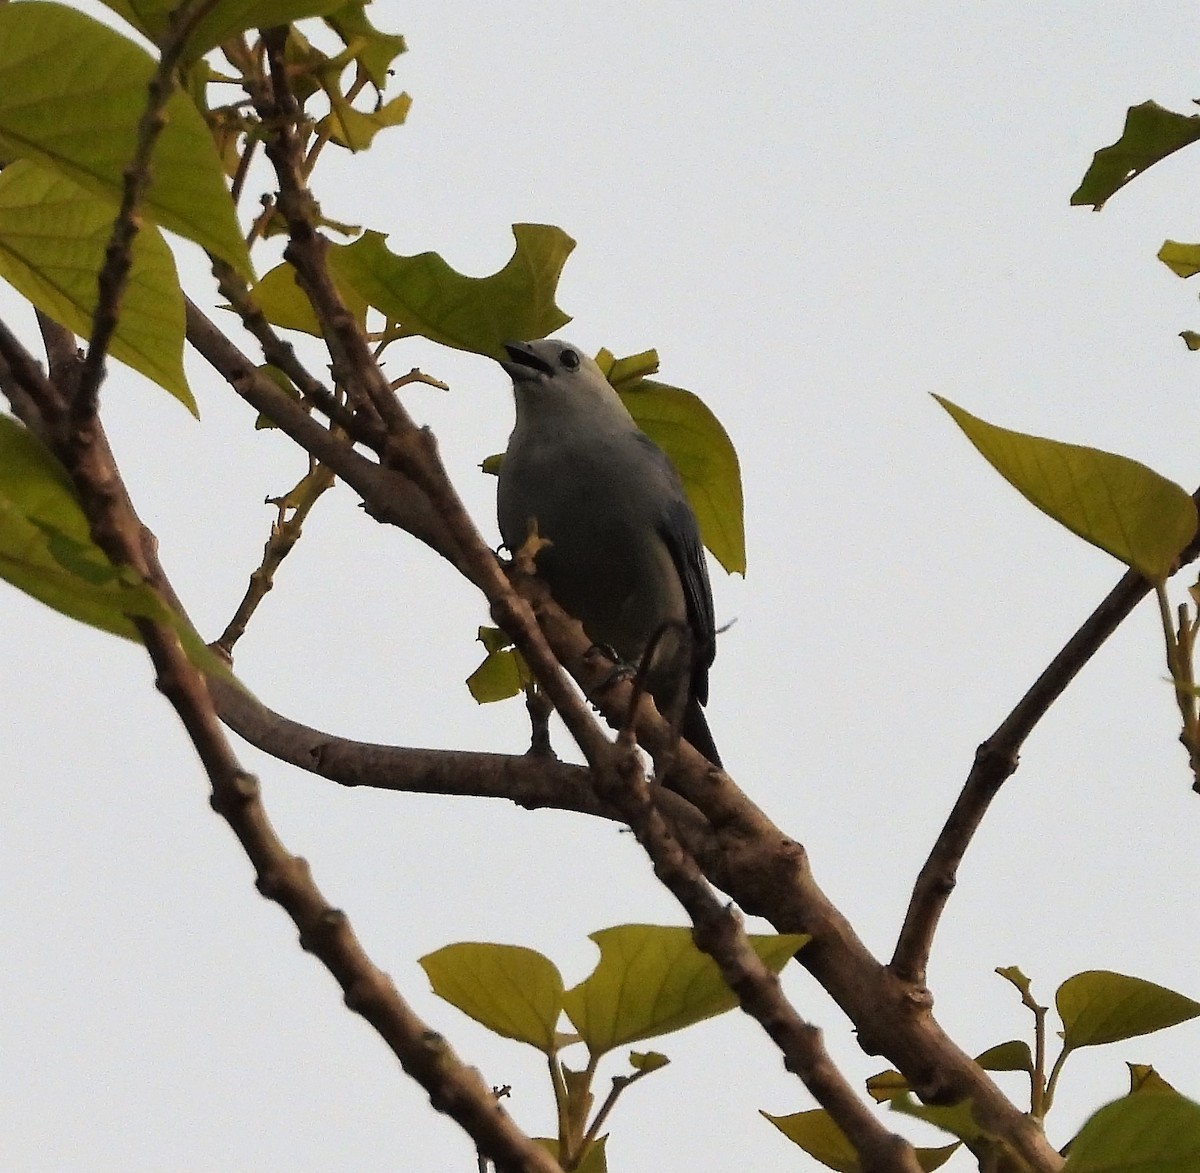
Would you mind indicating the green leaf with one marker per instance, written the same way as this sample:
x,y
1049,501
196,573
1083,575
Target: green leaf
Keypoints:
x,y
374,51
886,1085
46,551
427,297
817,1134
503,672
647,1061
1143,1078
1115,503
1011,1056
285,304
355,129
956,1119
651,980
224,19
514,992
497,678
1182,259
1013,974
53,235
703,455
593,1161
1098,1006
1151,133
71,94
1154,1132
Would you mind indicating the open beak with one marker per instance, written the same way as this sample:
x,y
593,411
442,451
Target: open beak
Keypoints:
x,y
520,356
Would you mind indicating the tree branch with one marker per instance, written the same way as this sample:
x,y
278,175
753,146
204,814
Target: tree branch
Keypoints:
x,y
719,932
118,255
997,759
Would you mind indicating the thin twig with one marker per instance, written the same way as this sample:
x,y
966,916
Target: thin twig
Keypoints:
x,y
293,510
118,256
353,366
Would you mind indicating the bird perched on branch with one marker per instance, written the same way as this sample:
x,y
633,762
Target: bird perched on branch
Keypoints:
x,y
625,556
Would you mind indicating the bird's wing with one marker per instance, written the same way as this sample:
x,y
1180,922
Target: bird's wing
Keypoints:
x,y
682,537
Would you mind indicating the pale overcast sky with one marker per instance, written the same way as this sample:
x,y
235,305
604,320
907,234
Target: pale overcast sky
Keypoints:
x,y
818,214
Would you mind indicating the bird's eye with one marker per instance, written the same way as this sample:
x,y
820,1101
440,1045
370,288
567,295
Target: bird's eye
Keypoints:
x,y
569,359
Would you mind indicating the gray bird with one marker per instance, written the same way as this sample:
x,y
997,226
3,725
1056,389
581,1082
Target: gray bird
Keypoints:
x,y
625,556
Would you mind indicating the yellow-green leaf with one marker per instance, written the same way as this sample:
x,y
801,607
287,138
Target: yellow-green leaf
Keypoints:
x,y
704,456
886,1085
46,551
373,50
354,129
1013,974
1011,1056
222,21
513,991
1098,1006
651,980
53,235
497,678
425,296
817,1134
1143,1078
956,1119
647,1061
592,1161
71,94
1190,339
503,672
1115,503
1182,259
284,303
1155,1132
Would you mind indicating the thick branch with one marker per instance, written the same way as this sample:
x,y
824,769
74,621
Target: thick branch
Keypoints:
x,y
719,933
454,1088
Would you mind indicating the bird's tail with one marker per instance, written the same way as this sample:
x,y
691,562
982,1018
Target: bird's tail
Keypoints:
x,y
694,728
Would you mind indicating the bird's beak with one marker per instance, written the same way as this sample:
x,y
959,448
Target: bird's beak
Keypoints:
x,y
522,360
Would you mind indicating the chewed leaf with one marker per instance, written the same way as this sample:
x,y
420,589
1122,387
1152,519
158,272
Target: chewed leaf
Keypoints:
x,y
1151,133
1115,503
652,979
425,296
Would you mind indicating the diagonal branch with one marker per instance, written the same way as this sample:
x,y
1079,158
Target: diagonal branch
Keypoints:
x,y
455,1089
118,255
719,932
996,760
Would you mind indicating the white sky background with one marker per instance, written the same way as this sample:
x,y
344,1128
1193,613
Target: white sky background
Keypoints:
x,y
817,214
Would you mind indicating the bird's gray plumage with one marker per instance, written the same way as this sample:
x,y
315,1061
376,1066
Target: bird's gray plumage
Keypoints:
x,y
625,556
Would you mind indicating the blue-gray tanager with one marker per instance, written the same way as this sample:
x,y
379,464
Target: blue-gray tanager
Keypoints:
x,y
625,556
